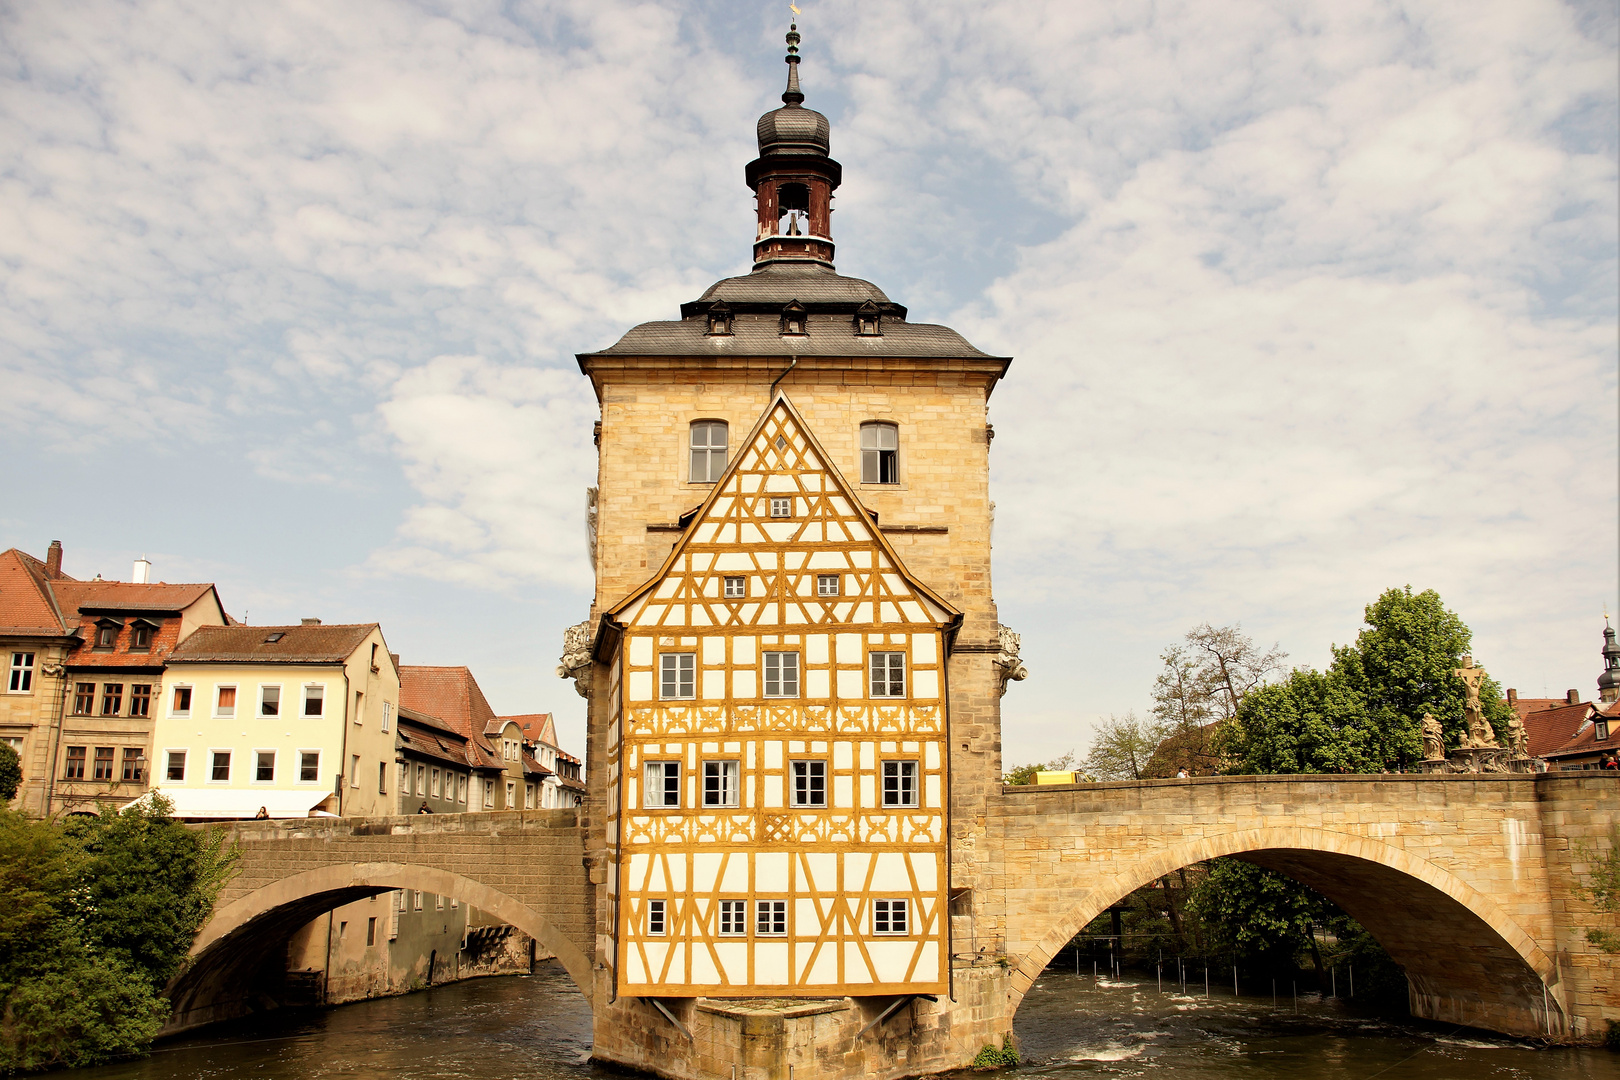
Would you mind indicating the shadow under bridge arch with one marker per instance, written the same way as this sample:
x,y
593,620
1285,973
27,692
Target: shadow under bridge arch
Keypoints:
x,y
1467,961
248,933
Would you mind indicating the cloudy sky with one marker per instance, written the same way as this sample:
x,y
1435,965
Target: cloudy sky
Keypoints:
x,y
1307,299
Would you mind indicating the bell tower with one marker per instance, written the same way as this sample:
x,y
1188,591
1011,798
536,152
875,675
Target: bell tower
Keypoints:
x,y
793,663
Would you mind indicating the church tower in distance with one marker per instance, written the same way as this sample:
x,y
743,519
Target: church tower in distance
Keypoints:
x,y
793,663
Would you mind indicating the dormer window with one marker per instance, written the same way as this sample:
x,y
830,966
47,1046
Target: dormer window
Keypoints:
x,y
793,318
106,633
140,636
1602,730
868,320
719,321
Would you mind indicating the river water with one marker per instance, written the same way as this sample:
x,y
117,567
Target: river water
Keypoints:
x,y
538,1028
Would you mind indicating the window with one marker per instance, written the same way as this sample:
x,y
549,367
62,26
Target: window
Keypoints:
x,y
382,777
22,673
733,917
880,454
112,698
222,765
433,782
314,700
84,698
354,770
890,916
719,321
104,763
461,789
899,783
264,766
388,714
180,705
869,320
793,318
359,706
106,634
225,702
661,784
75,763
404,778
708,441
770,917
421,780
309,766
809,783
140,699
134,764
511,795
269,701
676,678
781,674
1602,731
655,918
888,674
719,783
371,932
736,588
828,584
140,637
176,769
489,794
781,507
418,904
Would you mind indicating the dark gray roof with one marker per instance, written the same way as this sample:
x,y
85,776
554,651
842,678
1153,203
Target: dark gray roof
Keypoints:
x,y
793,129
760,335
775,284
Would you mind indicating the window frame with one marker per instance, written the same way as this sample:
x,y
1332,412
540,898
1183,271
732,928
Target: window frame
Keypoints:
x,y
741,584
669,782
219,707
140,694
214,754
132,772
179,688
837,582
75,755
804,784
109,755
876,474
727,772
690,674
305,698
903,776
169,761
887,909
141,634
656,917
112,694
22,672
776,912
715,456
1601,729
733,919
892,657
259,712
258,766
781,507
781,656
84,699
302,763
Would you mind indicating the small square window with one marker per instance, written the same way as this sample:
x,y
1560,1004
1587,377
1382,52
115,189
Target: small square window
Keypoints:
x,y
264,766
22,673
736,587
225,702
180,704
828,584
899,783
112,698
770,918
733,918
222,765
655,918
140,699
809,783
269,701
106,634
314,700
888,674
720,783
309,766
176,766
661,785
781,507
781,674
677,678
891,916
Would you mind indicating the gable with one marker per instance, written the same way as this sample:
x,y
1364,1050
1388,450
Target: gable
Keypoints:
x,y
741,533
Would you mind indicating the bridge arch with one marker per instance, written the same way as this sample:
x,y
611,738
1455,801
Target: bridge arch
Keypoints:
x,y
1496,976
233,943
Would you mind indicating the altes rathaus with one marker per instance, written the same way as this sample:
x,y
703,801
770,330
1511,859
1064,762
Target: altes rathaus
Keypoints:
x,y
793,662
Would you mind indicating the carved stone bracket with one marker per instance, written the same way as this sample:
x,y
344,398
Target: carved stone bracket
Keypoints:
x,y
576,662
1009,668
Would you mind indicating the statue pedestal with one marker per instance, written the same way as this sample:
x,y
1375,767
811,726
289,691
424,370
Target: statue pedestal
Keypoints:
x,y
1479,759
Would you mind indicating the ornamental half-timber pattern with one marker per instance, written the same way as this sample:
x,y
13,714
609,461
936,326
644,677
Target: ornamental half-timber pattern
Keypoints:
x,y
777,751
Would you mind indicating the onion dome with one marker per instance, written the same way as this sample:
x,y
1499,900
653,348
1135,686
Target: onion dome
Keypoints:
x,y
794,129
1609,681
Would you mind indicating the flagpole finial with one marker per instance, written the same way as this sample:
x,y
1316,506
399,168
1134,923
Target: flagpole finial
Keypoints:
x,y
793,95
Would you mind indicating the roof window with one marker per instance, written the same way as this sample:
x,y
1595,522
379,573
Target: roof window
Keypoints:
x,y
719,321
275,637
793,318
868,320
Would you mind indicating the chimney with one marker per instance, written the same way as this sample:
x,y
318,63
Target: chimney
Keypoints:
x,y
1513,697
317,622
142,574
53,560
1574,697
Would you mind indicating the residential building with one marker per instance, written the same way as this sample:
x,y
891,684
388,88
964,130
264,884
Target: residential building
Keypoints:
x,y
453,696
440,768
1570,735
523,777
35,642
565,786
279,721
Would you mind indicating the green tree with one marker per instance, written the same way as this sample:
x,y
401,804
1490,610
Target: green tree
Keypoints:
x,y
1121,747
1256,916
1601,887
1024,775
10,772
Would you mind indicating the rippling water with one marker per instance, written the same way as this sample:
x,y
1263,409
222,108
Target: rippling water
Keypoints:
x,y
538,1028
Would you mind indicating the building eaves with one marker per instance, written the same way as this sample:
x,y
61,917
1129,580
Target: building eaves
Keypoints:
x,y
319,644
828,335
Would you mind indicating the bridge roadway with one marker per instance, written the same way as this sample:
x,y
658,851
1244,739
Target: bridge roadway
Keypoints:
x,y
1471,883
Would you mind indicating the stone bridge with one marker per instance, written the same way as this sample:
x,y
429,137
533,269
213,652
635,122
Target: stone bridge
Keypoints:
x,y
1471,883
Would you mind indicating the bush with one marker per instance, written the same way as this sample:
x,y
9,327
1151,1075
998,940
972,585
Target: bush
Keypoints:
x,y
86,1011
991,1058
10,773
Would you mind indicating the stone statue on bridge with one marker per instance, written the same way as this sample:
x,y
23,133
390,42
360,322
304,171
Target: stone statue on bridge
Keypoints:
x,y
1480,732
1516,739
1434,742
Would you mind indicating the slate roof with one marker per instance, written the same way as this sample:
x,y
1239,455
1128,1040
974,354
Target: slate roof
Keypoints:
x,y
249,644
776,284
27,608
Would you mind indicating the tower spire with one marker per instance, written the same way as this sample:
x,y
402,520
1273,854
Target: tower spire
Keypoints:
x,y
792,95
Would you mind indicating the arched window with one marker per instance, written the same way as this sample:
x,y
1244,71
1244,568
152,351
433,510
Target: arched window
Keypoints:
x,y
880,454
708,450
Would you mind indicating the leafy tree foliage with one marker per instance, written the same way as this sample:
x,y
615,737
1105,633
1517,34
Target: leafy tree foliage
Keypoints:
x,y
1602,887
95,916
1024,775
1204,678
10,772
1364,714
1121,747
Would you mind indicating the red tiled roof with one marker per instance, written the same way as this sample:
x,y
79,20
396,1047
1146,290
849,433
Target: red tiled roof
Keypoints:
x,y
316,644
76,596
27,608
1546,730
449,693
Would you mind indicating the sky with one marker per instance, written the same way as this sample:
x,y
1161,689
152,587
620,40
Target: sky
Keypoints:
x,y
1307,300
